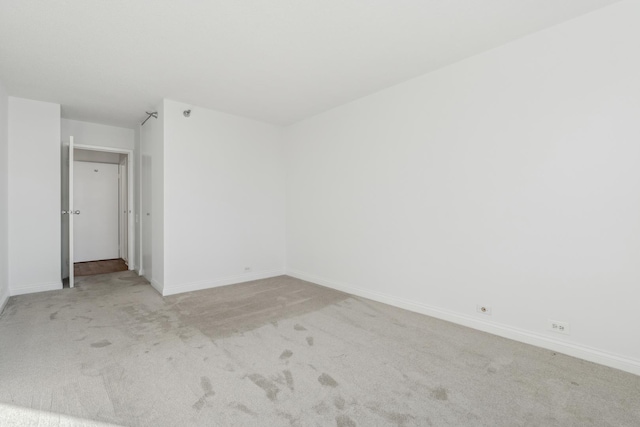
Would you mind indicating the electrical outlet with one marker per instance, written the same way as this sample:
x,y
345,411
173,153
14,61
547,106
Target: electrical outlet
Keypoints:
x,y
559,327
484,309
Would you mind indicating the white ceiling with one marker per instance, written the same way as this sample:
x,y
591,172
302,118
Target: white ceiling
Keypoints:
x,y
278,61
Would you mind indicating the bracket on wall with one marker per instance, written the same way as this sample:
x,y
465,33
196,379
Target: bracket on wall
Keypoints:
x,y
154,115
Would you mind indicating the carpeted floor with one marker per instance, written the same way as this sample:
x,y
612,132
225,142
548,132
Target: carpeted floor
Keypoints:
x,y
280,352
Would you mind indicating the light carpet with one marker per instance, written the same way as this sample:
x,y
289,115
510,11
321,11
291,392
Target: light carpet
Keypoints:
x,y
280,352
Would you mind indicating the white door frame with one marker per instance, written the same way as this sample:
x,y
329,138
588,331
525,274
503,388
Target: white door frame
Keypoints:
x,y
131,224
123,216
70,212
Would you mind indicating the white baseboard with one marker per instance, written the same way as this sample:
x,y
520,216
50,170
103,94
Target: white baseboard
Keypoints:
x,y
4,299
140,271
41,287
214,283
157,286
580,351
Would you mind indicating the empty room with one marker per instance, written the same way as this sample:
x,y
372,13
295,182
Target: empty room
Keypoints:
x,y
320,213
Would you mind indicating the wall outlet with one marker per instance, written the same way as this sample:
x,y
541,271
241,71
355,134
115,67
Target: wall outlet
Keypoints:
x,y
484,309
559,327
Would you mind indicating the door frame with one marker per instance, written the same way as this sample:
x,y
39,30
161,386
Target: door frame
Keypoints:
x,y
123,217
131,255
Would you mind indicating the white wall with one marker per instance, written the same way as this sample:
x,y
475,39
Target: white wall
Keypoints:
x,y
152,200
86,133
137,197
80,155
4,197
224,199
509,179
34,196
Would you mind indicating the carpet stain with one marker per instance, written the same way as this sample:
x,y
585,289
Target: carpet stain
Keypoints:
x,y
270,389
339,402
322,408
344,421
289,378
440,394
100,344
299,327
205,383
286,354
200,403
52,316
310,341
242,408
393,417
287,416
325,379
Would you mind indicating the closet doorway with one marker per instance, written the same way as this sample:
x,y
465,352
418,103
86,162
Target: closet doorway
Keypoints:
x,y
98,182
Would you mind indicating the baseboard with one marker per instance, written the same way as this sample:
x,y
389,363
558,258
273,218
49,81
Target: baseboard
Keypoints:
x,y
140,271
214,283
580,351
4,299
157,286
42,287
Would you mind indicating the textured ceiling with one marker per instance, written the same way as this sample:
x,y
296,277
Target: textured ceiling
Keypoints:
x,y
278,61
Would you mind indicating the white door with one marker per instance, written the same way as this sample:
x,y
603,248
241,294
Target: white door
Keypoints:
x,y
95,191
68,213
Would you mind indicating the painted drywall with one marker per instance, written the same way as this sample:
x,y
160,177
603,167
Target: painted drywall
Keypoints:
x,y
152,200
97,135
4,197
34,196
80,155
224,203
509,179
96,195
137,198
